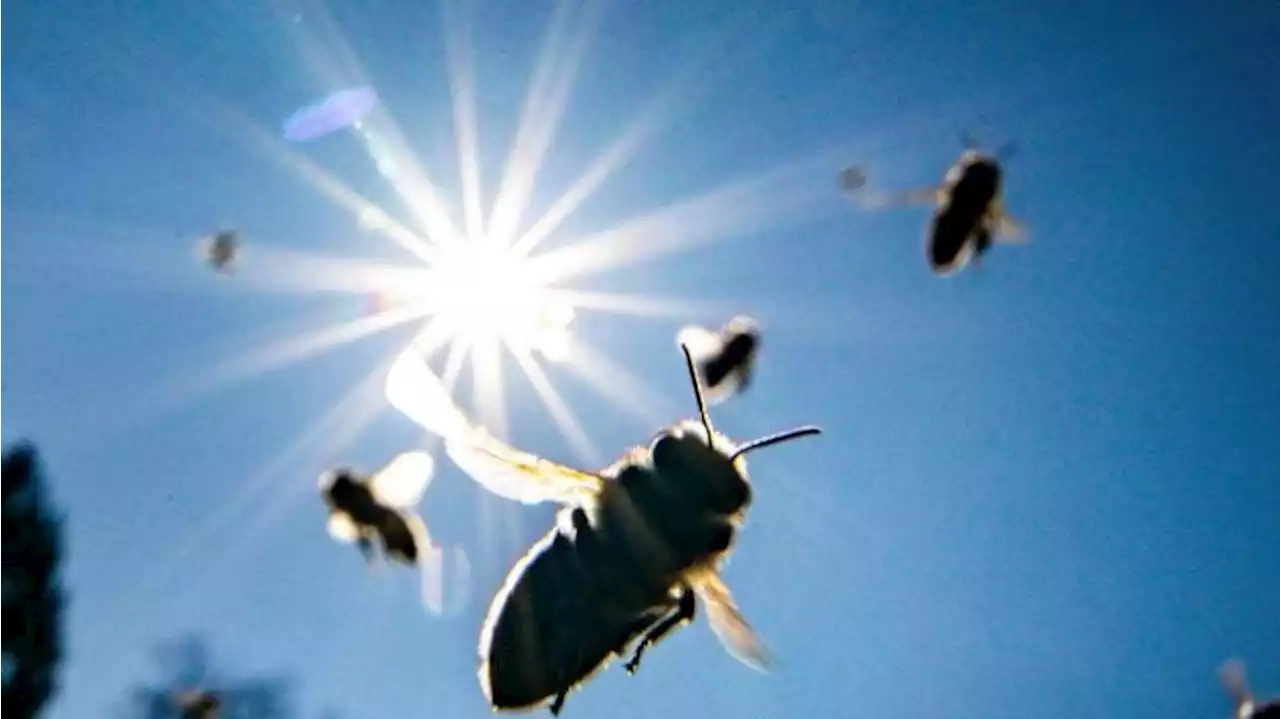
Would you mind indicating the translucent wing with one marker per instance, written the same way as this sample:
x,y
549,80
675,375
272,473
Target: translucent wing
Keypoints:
x,y
524,477
416,391
702,342
342,528
931,196
1232,675
430,563
402,482
730,627
1010,230
703,345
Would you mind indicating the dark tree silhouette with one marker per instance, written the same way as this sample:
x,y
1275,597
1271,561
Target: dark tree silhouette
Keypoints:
x,y
192,689
33,598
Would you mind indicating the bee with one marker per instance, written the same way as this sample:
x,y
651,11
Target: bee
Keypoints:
x,y
635,547
199,704
365,510
724,361
852,179
969,210
222,250
1237,687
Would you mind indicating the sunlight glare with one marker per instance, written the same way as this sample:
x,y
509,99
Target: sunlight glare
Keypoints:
x,y
485,293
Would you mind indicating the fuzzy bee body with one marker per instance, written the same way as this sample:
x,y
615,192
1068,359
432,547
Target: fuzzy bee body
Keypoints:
x,y
351,495
724,360
636,546
222,250
968,215
617,572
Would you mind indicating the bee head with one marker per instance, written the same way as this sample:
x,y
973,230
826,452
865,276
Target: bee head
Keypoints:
x,y
339,485
697,448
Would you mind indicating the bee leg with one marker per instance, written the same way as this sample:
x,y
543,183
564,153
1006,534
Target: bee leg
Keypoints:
x,y
366,548
684,612
558,704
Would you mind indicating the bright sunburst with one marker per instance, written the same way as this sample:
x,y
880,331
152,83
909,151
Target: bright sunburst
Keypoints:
x,y
484,294
484,288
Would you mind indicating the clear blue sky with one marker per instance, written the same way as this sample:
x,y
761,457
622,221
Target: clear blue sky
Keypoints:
x,y
1052,483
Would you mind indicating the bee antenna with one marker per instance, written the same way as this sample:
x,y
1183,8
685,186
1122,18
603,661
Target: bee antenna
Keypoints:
x,y
786,436
697,393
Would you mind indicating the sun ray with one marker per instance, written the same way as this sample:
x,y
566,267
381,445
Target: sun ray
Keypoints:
x,y
749,204
363,404
453,363
298,348
352,411
634,305
320,179
455,24
616,383
549,90
328,54
692,76
560,413
289,270
433,335
486,386
614,157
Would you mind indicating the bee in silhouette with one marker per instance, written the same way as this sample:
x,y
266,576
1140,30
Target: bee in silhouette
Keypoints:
x,y
724,360
969,212
221,250
852,179
1237,687
376,514
199,705
636,548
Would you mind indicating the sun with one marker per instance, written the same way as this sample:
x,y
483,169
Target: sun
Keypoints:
x,y
484,293
485,283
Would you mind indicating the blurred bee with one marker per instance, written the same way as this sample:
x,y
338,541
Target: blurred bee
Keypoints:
x,y
724,361
1237,687
199,705
969,212
635,547
365,510
852,179
221,250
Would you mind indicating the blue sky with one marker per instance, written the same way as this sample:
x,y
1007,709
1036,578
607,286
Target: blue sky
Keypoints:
x,y
1043,483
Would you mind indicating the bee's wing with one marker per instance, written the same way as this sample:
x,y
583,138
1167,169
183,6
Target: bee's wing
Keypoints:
x,y
430,563
1232,675
931,196
416,391
730,627
403,480
1010,230
342,528
702,342
524,477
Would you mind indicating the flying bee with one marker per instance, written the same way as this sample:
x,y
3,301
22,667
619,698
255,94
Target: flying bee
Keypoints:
x,y
969,210
724,360
635,547
221,250
365,510
852,178
1237,687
